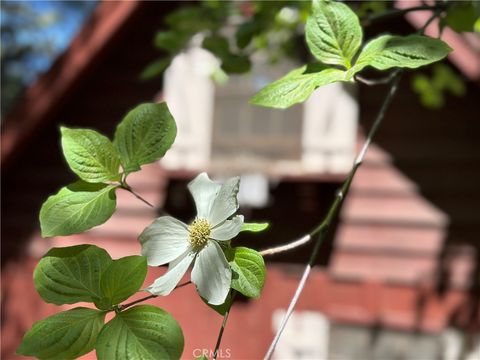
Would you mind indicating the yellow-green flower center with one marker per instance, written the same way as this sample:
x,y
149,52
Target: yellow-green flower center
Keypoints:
x,y
199,232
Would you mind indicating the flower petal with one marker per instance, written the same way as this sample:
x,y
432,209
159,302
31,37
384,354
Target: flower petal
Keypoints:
x,y
226,203
211,274
167,282
228,229
164,240
204,192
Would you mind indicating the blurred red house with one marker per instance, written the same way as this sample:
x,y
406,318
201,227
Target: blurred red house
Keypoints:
x,y
400,270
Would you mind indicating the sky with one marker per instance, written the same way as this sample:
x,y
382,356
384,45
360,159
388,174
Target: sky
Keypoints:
x,y
51,24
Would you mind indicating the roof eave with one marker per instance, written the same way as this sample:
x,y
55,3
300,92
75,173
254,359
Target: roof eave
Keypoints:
x,y
52,88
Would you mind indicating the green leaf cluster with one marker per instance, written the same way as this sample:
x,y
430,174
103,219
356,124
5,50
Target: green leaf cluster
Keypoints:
x,y
463,16
271,27
334,37
181,26
143,136
433,89
371,8
86,273
231,63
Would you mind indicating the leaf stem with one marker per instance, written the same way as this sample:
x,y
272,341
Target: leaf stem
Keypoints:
x,y
321,230
222,328
371,82
127,305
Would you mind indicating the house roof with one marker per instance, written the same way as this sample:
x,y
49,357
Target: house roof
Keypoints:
x,y
52,88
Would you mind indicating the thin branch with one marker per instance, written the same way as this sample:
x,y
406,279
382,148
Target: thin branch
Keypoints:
x,y
429,21
220,334
321,230
151,296
286,247
379,81
400,12
222,328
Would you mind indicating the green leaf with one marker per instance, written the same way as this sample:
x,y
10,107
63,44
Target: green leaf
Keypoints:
x,y
430,96
333,33
476,7
144,135
461,16
171,41
76,208
236,64
296,86
121,280
445,79
194,19
66,335
231,63
141,332
219,76
432,90
71,274
90,155
248,271
217,45
246,32
155,68
412,51
254,227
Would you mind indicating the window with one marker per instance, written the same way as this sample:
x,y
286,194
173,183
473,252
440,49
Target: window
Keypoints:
x,y
253,134
219,130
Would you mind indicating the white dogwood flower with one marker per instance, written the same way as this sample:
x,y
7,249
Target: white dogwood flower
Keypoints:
x,y
168,240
